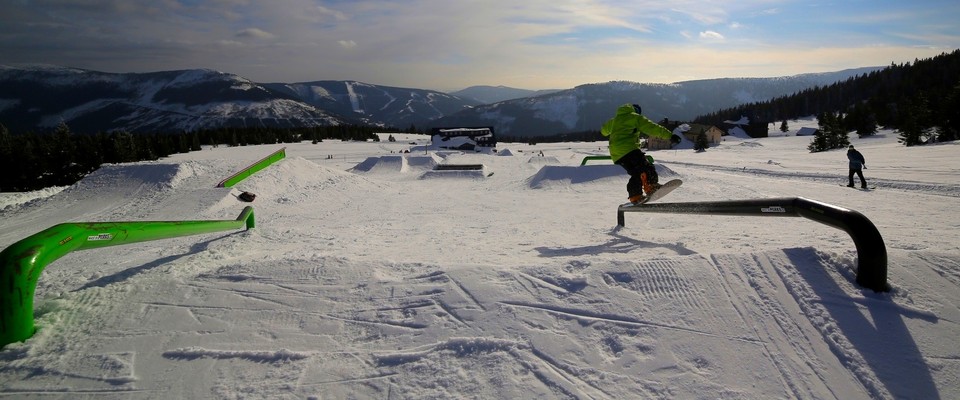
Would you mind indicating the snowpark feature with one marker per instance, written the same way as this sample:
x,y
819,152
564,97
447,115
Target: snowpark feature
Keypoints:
x,y
253,168
22,263
871,252
519,285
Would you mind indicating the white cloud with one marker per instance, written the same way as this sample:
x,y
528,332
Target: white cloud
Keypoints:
x,y
337,15
711,35
703,14
446,44
229,43
255,33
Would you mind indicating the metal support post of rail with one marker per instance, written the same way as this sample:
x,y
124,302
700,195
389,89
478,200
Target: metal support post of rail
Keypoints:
x,y
871,252
22,262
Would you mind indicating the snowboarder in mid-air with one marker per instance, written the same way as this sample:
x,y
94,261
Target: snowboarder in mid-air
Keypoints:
x,y
857,163
624,131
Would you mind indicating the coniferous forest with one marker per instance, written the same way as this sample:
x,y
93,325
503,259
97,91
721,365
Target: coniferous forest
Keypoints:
x,y
32,161
921,100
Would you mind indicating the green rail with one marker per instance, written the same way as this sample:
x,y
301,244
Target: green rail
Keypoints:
x,y
22,262
253,168
593,158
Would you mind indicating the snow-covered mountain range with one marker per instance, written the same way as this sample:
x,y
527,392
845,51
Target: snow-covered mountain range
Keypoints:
x,y
375,104
40,97
586,107
174,101
495,94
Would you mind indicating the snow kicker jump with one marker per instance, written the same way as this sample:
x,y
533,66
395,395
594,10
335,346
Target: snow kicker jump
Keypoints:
x,y
871,252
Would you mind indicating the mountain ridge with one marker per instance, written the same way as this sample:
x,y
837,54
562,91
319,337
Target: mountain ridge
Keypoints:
x,y
493,94
42,96
587,106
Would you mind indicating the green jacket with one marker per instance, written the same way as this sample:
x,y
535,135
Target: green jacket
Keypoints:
x,y
625,129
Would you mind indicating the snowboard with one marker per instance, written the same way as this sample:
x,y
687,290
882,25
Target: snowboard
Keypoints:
x,y
868,188
664,190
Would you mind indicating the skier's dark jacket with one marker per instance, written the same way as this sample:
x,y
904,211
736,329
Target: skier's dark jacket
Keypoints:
x,y
856,159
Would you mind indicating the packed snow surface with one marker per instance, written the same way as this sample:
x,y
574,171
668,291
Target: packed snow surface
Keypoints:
x,y
369,275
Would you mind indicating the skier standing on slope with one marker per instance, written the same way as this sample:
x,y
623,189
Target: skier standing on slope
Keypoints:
x,y
624,131
857,163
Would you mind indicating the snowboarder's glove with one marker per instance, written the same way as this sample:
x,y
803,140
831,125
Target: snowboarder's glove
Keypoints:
x,y
675,139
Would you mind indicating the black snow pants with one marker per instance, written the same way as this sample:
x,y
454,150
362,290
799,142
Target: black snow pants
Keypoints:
x,y
635,163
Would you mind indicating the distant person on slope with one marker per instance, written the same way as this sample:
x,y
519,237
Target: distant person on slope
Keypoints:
x,y
857,163
624,131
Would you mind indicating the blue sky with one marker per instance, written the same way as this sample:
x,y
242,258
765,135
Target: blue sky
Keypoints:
x,y
451,44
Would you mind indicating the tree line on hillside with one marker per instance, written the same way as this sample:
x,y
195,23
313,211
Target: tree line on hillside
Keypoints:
x,y
584,136
921,100
32,161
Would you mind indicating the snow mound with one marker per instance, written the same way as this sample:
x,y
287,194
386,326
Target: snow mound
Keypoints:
x,y
140,174
395,165
456,174
543,160
738,133
381,164
422,162
565,175
17,198
156,190
159,175
297,180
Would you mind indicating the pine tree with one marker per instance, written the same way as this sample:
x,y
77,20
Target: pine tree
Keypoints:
x,y
819,142
830,135
6,157
63,165
701,143
783,126
913,121
122,148
195,142
862,120
949,128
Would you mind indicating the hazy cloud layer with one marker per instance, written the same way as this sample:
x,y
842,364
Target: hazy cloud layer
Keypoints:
x,y
443,44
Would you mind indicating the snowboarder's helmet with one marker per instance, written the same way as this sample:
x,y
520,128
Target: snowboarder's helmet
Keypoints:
x,y
851,146
636,109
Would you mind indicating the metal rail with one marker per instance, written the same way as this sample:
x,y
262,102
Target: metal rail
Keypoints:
x,y
593,158
22,263
871,252
253,168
